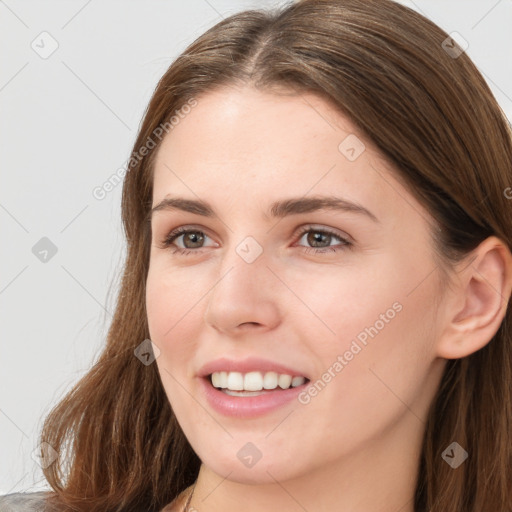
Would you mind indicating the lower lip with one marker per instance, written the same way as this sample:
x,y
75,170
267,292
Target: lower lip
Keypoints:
x,y
248,406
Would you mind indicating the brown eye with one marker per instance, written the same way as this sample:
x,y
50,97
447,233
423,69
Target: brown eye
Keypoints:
x,y
191,240
320,240
194,238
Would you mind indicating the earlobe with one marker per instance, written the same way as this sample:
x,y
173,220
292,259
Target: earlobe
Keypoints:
x,y
483,288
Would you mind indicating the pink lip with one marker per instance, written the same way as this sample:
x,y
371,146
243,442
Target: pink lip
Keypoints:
x,y
248,406
249,364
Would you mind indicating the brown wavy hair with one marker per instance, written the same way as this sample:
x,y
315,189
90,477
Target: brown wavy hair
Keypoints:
x,y
433,116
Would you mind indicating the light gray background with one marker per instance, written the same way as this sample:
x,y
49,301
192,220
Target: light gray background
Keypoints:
x,y
68,124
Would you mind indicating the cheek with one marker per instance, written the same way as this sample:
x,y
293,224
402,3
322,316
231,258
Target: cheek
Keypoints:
x,y
386,364
160,305
171,297
338,304
371,337
174,319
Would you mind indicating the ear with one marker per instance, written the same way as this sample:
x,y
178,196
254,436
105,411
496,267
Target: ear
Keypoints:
x,y
478,300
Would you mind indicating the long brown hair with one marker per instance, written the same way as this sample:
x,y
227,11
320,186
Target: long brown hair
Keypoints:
x,y
432,115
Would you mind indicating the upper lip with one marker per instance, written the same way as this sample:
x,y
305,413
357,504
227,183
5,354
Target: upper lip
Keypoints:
x,y
250,364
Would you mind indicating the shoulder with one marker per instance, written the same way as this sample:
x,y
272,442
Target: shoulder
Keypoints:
x,y
23,502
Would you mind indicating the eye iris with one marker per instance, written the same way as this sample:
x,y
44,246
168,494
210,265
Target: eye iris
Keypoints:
x,y
194,237
315,237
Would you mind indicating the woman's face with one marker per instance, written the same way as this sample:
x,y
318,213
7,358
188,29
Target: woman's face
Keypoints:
x,y
344,296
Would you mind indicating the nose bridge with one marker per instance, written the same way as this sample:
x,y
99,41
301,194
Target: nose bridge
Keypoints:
x,y
243,271
243,292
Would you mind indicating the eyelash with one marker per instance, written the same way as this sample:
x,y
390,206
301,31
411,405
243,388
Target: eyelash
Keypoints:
x,y
173,235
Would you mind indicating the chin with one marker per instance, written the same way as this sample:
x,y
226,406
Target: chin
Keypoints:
x,y
264,471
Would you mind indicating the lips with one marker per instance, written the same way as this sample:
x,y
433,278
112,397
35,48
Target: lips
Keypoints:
x,y
245,403
248,404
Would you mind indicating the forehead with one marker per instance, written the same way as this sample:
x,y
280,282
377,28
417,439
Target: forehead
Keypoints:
x,y
241,144
244,121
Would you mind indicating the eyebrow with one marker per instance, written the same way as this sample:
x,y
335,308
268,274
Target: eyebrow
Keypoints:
x,y
278,209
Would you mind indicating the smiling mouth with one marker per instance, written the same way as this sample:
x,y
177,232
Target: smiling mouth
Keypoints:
x,y
254,383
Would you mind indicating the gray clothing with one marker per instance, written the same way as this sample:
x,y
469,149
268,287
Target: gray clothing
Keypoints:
x,y
23,502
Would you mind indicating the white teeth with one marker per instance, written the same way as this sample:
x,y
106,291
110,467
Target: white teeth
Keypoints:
x,y
223,379
216,380
298,381
285,381
235,381
270,380
254,381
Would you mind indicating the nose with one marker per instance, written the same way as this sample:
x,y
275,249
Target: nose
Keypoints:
x,y
245,295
